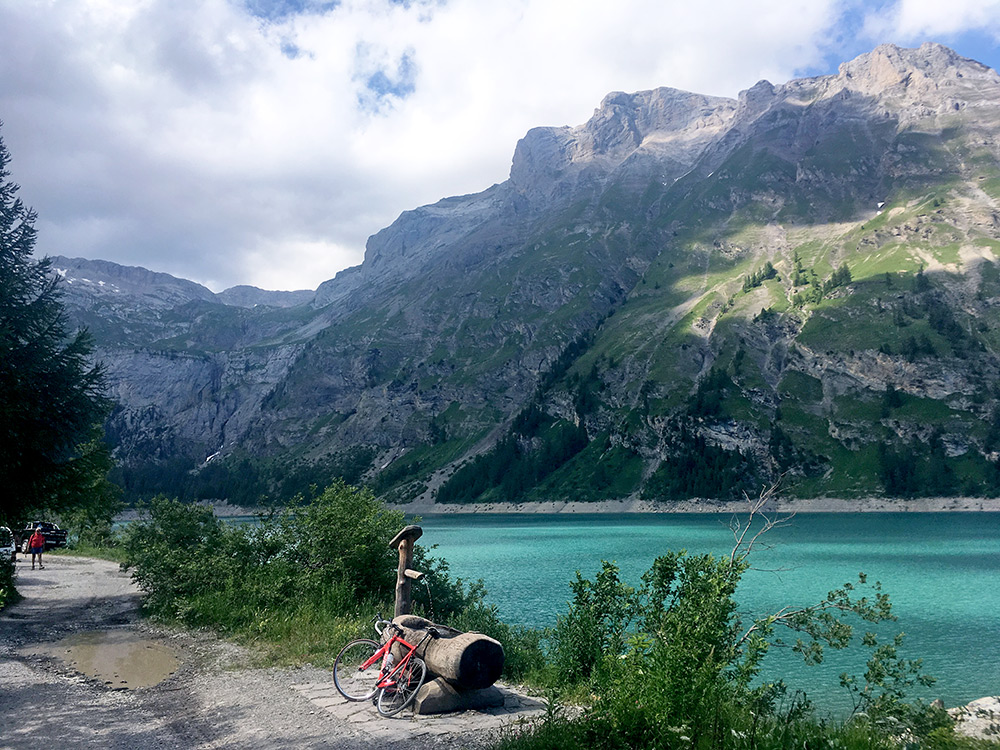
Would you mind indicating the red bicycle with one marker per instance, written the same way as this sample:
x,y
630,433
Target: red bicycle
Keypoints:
x,y
365,669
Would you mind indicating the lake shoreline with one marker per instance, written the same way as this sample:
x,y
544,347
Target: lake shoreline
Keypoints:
x,y
223,509
784,506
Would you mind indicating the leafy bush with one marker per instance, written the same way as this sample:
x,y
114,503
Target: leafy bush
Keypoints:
x,y
303,582
341,538
595,625
169,554
8,594
91,525
673,664
331,552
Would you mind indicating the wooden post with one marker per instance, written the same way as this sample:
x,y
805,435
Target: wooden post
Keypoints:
x,y
469,661
403,541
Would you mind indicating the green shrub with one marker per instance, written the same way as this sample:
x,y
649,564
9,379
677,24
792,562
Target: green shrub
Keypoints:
x,y
342,538
673,664
595,625
328,554
8,594
301,583
172,554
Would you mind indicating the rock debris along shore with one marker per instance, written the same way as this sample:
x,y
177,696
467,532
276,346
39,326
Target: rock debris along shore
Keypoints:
x,y
807,505
810,505
979,719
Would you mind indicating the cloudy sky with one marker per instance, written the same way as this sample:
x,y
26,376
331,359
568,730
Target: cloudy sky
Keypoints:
x,y
262,141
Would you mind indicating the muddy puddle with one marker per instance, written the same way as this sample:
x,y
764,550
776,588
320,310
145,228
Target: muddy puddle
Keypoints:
x,y
120,659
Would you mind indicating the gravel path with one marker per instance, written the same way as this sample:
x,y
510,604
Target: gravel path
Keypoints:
x,y
213,700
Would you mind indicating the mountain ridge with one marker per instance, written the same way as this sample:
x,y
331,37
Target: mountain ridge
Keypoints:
x,y
684,296
165,290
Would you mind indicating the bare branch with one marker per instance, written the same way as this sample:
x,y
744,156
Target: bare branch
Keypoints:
x,y
743,546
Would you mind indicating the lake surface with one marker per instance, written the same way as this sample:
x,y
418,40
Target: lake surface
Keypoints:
x,y
942,572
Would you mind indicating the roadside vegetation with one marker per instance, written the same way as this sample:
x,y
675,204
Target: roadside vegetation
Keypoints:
x,y
300,583
8,594
669,663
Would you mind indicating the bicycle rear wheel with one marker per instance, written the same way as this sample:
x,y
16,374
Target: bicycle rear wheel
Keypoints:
x,y
353,682
393,699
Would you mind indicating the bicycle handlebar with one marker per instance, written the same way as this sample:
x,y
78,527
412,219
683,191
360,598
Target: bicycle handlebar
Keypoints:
x,y
381,624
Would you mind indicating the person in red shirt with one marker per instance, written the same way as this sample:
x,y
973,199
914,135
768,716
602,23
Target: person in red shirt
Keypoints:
x,y
37,544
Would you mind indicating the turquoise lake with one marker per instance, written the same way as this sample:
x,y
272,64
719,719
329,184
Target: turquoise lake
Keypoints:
x,y
942,572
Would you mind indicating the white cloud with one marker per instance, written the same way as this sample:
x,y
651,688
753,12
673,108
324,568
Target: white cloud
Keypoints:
x,y
198,139
306,259
916,19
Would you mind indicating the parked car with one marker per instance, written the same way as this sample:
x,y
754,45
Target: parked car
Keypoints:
x,y
8,549
54,536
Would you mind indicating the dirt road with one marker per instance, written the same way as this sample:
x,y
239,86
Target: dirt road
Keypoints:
x,y
213,700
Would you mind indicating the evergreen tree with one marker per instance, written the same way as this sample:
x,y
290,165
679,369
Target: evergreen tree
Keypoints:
x,y
51,400
891,399
842,276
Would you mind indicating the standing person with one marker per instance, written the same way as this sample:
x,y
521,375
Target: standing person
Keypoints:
x,y
37,544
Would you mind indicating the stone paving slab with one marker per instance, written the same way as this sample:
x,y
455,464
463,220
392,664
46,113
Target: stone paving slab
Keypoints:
x,y
364,716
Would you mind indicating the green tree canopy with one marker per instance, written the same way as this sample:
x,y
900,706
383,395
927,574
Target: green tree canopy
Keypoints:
x,y
51,393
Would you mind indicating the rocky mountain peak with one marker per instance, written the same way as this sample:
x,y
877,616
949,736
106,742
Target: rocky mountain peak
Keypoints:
x,y
755,100
677,124
671,261
929,72
909,85
658,135
100,278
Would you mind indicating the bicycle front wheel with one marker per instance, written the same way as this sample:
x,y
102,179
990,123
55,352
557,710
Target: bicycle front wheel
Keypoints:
x,y
353,682
394,698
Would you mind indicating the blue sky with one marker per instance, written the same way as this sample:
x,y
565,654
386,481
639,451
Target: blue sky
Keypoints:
x,y
262,141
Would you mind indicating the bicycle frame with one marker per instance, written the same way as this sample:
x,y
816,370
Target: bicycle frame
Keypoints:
x,y
389,679
393,685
